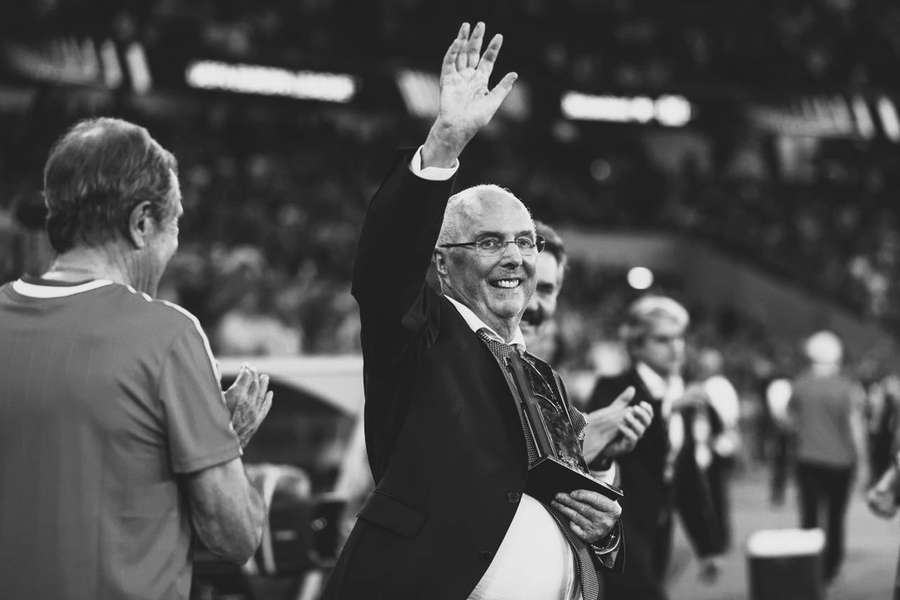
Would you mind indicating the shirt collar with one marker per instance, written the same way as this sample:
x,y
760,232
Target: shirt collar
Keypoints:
x,y
475,324
654,382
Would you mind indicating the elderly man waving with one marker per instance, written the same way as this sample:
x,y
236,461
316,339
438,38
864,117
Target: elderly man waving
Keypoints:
x,y
449,518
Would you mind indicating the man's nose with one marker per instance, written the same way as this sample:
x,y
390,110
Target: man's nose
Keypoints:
x,y
511,254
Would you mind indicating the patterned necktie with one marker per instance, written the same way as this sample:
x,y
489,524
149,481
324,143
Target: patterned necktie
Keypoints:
x,y
585,571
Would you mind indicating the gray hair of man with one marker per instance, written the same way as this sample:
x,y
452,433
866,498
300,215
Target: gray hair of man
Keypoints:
x,y
644,312
824,348
96,174
460,202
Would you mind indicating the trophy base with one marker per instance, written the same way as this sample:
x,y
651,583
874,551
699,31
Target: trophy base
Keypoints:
x,y
550,476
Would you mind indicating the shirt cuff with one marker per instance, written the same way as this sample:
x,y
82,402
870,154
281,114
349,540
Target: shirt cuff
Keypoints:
x,y
431,173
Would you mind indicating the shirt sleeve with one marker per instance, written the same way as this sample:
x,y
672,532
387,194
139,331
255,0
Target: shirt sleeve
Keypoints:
x,y
198,424
431,173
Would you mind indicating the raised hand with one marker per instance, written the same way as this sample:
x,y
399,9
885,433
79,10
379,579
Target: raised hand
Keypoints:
x,y
248,400
466,102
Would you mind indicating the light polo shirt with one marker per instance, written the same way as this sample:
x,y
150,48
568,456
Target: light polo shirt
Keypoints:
x,y
107,395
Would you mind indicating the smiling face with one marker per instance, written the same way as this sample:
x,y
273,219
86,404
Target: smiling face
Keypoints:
x,y
497,288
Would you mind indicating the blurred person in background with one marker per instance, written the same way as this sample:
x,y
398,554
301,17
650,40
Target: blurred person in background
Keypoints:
x,y
883,419
119,447
778,393
449,518
661,474
826,411
883,499
719,409
248,329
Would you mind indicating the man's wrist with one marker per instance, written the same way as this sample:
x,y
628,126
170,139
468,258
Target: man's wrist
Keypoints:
x,y
609,543
443,145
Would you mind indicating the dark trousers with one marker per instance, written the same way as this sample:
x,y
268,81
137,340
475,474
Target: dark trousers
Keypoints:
x,y
719,477
825,488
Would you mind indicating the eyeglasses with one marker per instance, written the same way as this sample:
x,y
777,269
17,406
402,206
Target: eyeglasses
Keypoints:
x,y
492,245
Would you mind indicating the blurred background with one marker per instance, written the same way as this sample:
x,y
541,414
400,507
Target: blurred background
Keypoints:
x,y
739,155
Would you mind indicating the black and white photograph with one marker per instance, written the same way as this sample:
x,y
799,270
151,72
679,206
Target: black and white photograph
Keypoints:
x,y
409,300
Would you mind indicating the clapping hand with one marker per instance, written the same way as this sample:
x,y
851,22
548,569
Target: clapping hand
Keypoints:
x,y
248,400
466,102
615,430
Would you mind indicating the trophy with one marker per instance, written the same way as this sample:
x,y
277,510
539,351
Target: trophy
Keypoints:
x,y
560,464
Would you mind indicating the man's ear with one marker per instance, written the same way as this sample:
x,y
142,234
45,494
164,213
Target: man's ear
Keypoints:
x,y
440,261
140,224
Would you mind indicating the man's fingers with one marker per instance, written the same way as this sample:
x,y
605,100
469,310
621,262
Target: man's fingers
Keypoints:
x,y
449,64
579,531
266,405
644,412
633,422
450,58
624,398
461,56
263,385
572,515
486,64
630,432
502,89
473,48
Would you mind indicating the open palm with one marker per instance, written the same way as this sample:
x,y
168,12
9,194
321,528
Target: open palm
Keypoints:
x,y
466,102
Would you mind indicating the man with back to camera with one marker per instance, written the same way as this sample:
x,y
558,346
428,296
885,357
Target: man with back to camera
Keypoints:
x,y
448,518
118,444
661,473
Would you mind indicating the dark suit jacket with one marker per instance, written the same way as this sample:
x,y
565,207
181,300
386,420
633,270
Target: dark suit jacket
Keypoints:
x,y
444,440
650,501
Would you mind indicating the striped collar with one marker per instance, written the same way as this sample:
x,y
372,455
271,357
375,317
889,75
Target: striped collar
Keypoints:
x,y
35,287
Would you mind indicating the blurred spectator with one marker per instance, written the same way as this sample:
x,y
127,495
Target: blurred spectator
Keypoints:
x,y
661,475
721,400
826,408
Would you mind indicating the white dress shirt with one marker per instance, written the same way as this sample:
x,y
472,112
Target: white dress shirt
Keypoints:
x,y
667,391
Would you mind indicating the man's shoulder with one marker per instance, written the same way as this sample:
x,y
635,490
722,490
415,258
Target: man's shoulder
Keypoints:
x,y
159,318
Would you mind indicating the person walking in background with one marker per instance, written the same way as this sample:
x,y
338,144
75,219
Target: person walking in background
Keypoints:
x,y
118,444
661,474
826,411
721,407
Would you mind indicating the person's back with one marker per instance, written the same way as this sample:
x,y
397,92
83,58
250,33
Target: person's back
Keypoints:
x,y
90,432
822,404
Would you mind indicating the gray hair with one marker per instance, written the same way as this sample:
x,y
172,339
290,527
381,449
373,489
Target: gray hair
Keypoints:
x,y
647,310
96,174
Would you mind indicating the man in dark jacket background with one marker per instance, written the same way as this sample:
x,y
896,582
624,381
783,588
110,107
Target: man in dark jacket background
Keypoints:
x,y
661,474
